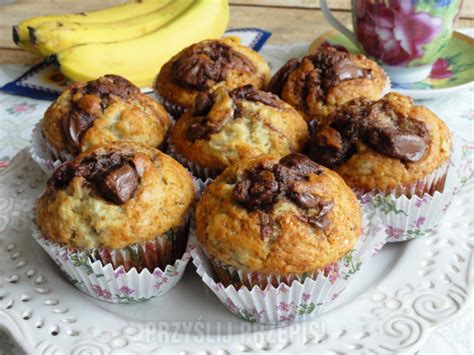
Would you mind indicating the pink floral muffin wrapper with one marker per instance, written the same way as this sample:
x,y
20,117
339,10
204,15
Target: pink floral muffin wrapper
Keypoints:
x,y
45,155
124,275
292,298
405,214
197,170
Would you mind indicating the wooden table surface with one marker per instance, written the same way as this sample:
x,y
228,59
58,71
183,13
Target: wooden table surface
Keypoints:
x,y
288,20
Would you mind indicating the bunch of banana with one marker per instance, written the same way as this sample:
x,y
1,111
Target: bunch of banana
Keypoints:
x,y
21,32
134,47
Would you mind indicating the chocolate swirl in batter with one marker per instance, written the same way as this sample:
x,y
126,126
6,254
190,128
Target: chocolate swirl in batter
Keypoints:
x,y
377,124
113,176
208,124
264,185
310,78
88,102
203,65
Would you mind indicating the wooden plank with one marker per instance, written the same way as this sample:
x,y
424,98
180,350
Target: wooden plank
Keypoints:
x,y
310,4
297,25
467,10
15,56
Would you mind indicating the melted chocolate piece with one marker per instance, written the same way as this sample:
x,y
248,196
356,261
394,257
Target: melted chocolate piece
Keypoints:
x,y
318,219
279,79
376,124
300,193
203,65
331,148
114,177
203,130
249,93
264,185
259,190
89,101
203,104
119,184
317,74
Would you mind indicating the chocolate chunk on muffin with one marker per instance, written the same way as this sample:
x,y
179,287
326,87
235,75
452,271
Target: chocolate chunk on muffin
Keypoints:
x,y
118,196
383,145
277,216
227,125
103,111
318,83
204,65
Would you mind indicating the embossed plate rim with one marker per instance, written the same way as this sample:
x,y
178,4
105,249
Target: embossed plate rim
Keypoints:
x,y
394,316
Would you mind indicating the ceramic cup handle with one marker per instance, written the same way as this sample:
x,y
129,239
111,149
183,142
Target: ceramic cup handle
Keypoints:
x,y
334,22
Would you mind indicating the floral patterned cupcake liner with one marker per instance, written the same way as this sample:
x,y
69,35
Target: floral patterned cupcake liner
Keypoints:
x,y
46,156
415,211
197,170
271,299
128,275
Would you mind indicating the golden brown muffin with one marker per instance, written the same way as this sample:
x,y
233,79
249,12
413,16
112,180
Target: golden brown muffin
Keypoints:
x,y
103,111
114,196
318,83
204,65
226,126
278,216
384,144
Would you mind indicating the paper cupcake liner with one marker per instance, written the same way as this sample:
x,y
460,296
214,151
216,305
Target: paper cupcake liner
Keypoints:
x,y
414,211
47,157
176,111
126,275
291,298
197,170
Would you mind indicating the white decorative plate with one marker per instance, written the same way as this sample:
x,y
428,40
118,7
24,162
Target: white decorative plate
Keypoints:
x,y
392,305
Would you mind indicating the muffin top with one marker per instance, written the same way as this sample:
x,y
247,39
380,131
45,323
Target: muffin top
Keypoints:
x,y
205,64
278,216
103,111
227,125
114,196
318,83
382,144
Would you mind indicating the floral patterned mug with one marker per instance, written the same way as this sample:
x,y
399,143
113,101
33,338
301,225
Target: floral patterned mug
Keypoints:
x,y
405,36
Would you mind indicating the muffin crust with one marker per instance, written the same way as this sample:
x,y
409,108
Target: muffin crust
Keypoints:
x,y
103,111
206,64
318,83
114,196
380,145
226,126
278,216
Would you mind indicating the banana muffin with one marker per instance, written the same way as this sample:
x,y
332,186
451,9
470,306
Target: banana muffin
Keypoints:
x,y
277,216
318,83
116,197
102,111
389,145
227,125
204,65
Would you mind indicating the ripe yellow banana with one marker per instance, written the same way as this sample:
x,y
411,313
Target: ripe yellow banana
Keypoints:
x,y
53,37
135,8
140,59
